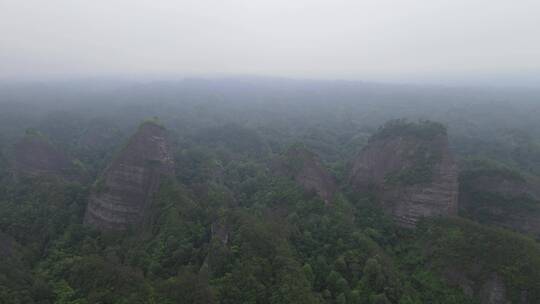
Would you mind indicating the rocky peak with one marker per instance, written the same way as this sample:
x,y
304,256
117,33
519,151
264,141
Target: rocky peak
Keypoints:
x,y
409,167
124,191
306,169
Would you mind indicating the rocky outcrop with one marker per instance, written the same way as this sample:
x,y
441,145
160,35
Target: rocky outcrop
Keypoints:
x,y
305,168
410,169
35,155
493,194
123,193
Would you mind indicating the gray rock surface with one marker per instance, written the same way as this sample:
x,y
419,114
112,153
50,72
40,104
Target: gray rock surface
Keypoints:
x,y
412,177
124,192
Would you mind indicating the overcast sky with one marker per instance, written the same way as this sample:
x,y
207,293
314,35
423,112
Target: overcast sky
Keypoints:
x,y
388,40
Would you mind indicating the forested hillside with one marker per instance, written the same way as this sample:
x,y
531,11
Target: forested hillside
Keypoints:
x,y
268,191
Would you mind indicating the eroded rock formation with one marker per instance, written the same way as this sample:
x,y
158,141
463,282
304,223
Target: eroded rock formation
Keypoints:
x,y
123,193
305,168
410,169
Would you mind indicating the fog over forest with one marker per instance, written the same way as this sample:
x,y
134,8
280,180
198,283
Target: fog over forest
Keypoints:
x,y
269,152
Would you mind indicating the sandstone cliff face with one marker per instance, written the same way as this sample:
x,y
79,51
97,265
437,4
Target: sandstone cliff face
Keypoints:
x,y
34,156
412,176
123,193
498,197
305,168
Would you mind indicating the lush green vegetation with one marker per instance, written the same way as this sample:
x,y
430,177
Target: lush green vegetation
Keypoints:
x,y
419,164
479,167
227,229
480,251
490,191
284,247
295,157
420,169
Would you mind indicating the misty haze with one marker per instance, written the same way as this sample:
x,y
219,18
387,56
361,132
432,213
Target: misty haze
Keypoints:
x,y
272,152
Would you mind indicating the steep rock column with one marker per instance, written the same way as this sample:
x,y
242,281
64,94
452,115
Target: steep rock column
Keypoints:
x,y
410,169
123,193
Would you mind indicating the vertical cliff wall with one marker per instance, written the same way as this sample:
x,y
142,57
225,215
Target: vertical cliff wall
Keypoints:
x,y
410,169
124,191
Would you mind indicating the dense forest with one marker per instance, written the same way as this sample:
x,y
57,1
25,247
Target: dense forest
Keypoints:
x,y
263,190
